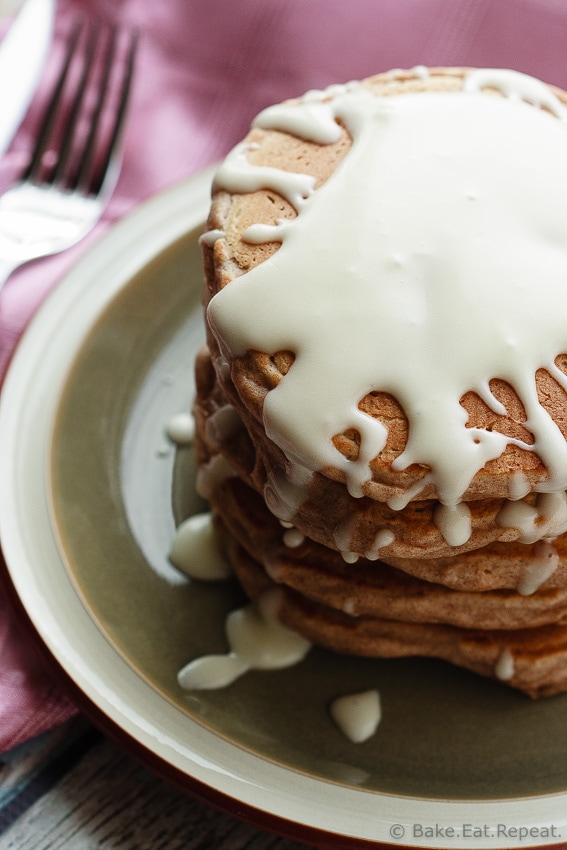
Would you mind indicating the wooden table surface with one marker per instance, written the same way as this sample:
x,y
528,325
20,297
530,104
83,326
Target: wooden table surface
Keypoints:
x,y
72,789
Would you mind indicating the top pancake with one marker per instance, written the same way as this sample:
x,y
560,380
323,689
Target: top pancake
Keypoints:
x,y
252,375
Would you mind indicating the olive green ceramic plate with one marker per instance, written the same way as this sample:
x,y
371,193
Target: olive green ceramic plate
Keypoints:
x,y
90,491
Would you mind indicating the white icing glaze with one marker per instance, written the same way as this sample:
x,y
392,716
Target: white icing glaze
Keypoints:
x,y
211,474
454,522
236,174
519,486
210,237
357,715
293,538
536,572
350,607
421,72
547,518
342,536
284,492
399,502
505,666
222,424
210,672
444,268
257,641
272,565
382,538
196,552
515,86
181,429
313,122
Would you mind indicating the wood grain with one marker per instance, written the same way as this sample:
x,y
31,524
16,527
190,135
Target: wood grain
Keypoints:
x,y
108,801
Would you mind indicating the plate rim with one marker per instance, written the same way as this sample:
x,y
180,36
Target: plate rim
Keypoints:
x,y
188,200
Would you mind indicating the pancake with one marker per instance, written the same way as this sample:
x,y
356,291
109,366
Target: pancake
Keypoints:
x,y
532,660
371,588
410,540
381,409
248,377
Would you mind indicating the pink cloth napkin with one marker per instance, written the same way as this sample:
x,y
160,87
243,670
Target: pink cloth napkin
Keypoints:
x,y
204,70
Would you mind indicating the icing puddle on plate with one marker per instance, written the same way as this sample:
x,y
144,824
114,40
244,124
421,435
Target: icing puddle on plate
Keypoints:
x,y
257,641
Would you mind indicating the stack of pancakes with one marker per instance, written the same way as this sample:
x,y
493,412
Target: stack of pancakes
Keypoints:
x,y
384,571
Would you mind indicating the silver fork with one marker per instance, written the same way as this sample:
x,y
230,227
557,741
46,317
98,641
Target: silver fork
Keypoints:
x,y
78,152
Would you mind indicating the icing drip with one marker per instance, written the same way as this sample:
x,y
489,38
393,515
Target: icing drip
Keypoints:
x,y
195,550
257,641
273,568
546,561
222,424
350,607
293,538
519,486
454,523
313,122
421,72
357,715
515,86
210,237
284,493
211,474
343,536
236,174
505,667
547,518
181,429
428,234
399,502
383,538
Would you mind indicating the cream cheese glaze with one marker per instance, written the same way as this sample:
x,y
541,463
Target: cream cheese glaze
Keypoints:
x,y
543,566
195,550
505,666
357,715
257,641
433,259
181,429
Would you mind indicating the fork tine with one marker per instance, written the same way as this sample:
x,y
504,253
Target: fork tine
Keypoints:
x,y
108,165
32,172
81,181
57,175
87,176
